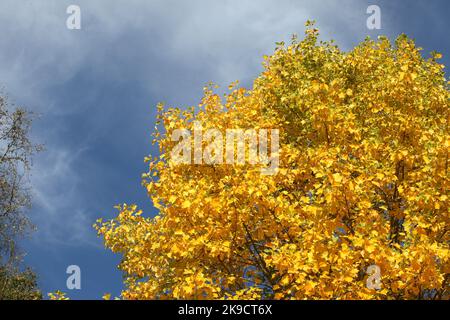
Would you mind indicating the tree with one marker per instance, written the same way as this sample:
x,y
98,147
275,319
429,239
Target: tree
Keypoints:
x,y
17,285
16,151
362,181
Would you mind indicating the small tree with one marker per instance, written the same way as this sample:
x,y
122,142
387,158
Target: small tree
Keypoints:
x,y
363,181
16,151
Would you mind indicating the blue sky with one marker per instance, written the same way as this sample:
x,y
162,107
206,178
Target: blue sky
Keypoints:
x,y
96,91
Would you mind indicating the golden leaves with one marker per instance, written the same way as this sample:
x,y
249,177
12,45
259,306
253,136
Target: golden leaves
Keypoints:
x,y
363,180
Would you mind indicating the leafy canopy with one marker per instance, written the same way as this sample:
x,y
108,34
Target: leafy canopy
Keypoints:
x,y
363,180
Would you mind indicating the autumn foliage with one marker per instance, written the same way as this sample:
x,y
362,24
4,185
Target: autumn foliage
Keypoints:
x,y
363,180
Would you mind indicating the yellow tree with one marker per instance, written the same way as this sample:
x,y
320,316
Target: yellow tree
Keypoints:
x,y
362,185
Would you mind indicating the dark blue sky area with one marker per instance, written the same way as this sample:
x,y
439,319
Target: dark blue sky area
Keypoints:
x,y
96,90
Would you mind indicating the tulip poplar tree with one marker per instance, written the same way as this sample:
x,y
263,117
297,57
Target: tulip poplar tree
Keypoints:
x,y
363,181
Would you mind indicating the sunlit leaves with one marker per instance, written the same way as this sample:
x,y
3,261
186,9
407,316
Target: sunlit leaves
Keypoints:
x,y
363,180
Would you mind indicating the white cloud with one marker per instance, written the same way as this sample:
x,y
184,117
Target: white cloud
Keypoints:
x,y
227,38
58,208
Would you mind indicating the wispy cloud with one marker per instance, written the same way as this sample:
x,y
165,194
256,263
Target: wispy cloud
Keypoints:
x,y
59,209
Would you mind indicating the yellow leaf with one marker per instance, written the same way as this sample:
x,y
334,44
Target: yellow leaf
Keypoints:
x,y
337,177
348,279
186,204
